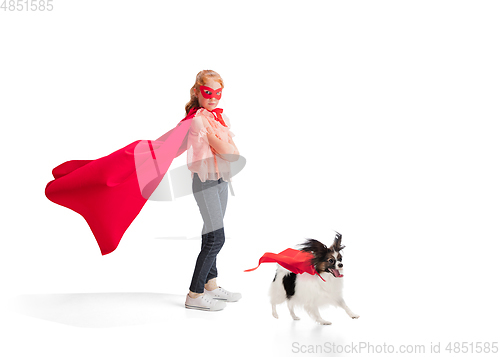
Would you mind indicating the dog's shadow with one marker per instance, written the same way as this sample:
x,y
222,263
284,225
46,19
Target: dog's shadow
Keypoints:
x,y
96,310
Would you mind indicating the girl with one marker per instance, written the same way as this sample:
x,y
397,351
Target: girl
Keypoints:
x,y
210,148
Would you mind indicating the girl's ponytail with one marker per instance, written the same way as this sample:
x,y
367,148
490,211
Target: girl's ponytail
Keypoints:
x,y
193,102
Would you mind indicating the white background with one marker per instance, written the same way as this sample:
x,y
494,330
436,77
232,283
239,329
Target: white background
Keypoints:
x,y
377,119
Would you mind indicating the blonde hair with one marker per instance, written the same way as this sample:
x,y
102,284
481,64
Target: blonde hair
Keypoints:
x,y
201,79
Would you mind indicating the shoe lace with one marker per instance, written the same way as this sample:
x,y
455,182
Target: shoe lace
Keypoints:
x,y
210,301
224,291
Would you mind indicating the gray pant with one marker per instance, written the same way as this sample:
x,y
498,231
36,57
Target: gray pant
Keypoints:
x,y
211,197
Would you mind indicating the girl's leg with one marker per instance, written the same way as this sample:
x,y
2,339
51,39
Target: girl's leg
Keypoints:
x,y
223,193
212,274
204,238
207,195
223,197
222,188
211,284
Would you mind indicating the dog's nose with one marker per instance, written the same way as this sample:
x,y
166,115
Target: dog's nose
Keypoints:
x,y
340,265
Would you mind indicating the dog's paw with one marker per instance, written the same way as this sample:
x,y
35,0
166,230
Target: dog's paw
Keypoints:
x,y
354,316
275,315
296,318
324,322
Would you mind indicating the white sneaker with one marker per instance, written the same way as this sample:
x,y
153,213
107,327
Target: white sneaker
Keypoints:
x,y
204,302
223,295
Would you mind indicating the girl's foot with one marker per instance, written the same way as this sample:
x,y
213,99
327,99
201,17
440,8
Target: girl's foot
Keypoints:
x,y
223,295
204,302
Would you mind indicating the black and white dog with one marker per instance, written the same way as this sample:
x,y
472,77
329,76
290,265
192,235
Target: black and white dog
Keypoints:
x,y
310,291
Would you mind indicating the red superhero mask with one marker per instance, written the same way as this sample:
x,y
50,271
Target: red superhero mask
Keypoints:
x,y
208,92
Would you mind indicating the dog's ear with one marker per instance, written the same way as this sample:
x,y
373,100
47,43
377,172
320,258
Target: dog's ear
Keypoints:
x,y
316,247
337,243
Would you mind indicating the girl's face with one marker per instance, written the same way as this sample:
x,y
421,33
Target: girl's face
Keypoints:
x,y
206,96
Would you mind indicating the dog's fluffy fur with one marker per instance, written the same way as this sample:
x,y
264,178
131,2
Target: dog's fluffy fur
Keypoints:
x,y
309,290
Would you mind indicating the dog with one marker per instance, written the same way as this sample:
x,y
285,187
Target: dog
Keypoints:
x,y
310,291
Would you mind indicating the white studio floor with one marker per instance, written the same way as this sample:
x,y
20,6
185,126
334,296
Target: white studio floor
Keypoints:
x,y
401,308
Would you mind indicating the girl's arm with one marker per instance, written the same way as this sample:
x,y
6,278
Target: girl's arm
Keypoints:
x,y
236,152
228,151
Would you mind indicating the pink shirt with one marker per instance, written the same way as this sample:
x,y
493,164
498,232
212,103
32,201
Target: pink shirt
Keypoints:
x,y
200,157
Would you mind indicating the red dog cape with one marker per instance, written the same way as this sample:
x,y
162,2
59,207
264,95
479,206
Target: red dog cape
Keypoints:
x,y
297,261
110,192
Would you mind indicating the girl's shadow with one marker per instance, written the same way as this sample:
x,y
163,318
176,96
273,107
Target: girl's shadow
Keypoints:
x,y
96,310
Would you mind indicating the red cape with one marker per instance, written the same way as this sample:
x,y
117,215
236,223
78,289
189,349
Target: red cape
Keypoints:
x,y
110,192
297,261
